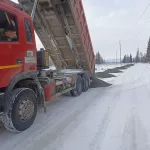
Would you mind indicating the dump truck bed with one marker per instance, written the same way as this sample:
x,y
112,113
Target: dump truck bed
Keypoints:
x,y
62,28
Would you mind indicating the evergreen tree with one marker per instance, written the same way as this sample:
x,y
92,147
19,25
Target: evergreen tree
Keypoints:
x,y
127,59
143,58
137,58
131,60
148,52
124,59
99,59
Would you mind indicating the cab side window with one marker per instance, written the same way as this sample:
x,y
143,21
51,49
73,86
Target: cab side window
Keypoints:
x,y
8,27
28,30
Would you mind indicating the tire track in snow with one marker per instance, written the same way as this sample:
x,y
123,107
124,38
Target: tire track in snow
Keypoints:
x,y
101,106
104,123
129,136
135,136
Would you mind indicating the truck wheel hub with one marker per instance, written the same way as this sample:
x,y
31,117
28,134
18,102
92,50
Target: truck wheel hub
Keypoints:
x,y
26,110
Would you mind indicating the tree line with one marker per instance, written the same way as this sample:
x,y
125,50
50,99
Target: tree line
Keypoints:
x,y
140,57
128,58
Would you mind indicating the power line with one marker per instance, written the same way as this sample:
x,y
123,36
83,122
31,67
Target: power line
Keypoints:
x,y
145,22
144,25
142,14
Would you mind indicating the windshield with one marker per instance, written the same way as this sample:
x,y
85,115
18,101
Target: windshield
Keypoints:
x,y
8,29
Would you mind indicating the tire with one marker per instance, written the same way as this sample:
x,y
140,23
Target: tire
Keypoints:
x,y
85,80
17,117
78,88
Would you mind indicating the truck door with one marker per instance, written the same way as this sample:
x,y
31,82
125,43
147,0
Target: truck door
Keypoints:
x,y
30,47
10,55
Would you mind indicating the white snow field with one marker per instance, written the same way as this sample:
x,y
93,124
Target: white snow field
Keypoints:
x,y
112,118
103,67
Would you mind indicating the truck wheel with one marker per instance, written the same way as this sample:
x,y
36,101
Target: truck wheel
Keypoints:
x,y
22,110
78,88
85,81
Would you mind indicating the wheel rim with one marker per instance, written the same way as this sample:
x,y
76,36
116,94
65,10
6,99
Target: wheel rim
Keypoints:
x,y
26,110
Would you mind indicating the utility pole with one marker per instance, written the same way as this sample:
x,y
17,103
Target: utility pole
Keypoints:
x,y
120,51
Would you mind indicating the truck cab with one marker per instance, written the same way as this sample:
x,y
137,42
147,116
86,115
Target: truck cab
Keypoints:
x,y
17,43
18,67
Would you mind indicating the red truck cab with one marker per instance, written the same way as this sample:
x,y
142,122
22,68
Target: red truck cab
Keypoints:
x,y
18,68
17,55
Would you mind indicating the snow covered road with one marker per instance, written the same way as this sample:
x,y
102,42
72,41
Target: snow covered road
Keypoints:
x,y
112,118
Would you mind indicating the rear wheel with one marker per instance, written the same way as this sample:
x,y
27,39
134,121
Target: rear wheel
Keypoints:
x,y
85,80
78,88
22,110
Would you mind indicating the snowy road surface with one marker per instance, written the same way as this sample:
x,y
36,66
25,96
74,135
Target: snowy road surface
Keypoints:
x,y
112,118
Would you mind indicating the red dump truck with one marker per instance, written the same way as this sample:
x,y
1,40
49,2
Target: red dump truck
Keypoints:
x,y
26,81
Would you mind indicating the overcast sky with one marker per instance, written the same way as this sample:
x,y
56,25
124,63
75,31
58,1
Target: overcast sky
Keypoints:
x,y
113,20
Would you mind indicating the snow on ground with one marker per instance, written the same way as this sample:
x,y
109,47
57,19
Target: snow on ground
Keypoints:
x,y
110,80
104,67
112,118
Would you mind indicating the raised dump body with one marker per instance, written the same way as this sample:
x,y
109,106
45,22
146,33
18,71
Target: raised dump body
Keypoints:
x,y
62,28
